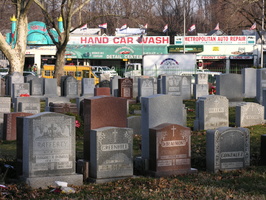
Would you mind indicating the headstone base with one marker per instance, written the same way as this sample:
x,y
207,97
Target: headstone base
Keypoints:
x,y
44,182
106,180
171,173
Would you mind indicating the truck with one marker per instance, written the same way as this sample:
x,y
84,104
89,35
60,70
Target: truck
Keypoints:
x,y
154,65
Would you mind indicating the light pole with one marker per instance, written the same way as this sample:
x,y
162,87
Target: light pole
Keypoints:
x,y
184,45
262,39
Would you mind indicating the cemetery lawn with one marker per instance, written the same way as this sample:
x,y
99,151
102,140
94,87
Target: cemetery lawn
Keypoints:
x,y
248,183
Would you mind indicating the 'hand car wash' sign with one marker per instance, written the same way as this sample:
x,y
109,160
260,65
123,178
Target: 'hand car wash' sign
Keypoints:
x,y
119,40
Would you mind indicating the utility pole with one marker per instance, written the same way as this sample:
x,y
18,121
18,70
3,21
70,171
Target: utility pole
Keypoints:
x,y
262,39
184,45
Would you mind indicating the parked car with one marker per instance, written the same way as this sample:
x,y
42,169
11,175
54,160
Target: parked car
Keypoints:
x,y
27,73
98,70
4,71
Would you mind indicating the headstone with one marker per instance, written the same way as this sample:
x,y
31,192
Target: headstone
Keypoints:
x,y
200,90
102,91
212,111
145,87
16,77
70,87
134,122
159,109
135,85
36,86
186,87
10,124
5,107
125,88
64,108
249,114
114,85
170,150
263,149
49,100
172,85
230,86
2,87
87,87
105,83
102,111
227,149
28,78
46,146
50,87
201,78
20,89
249,82
261,84
33,107
22,104
111,153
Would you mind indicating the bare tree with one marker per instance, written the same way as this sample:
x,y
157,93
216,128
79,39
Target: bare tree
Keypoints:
x,y
15,52
66,9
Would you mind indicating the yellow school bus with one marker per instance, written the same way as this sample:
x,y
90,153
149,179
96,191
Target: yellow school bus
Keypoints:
x,y
77,72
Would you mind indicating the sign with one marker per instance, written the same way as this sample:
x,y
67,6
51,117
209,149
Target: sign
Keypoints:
x,y
192,40
154,40
113,51
212,57
188,48
241,57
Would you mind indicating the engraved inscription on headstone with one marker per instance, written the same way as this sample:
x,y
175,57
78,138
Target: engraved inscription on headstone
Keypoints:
x,y
49,145
111,150
170,151
212,111
227,149
249,114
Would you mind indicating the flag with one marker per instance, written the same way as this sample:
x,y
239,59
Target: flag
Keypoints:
x,y
165,28
84,27
254,26
123,27
192,28
217,27
104,26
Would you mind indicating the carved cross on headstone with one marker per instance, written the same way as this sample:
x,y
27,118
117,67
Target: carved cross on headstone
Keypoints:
x,y
173,129
115,135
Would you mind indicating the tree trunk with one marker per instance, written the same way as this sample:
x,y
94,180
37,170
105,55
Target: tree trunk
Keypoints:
x,y
59,65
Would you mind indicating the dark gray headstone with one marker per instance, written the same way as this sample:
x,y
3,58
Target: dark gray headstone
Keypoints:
x,y
5,107
16,77
111,154
36,86
230,86
227,149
